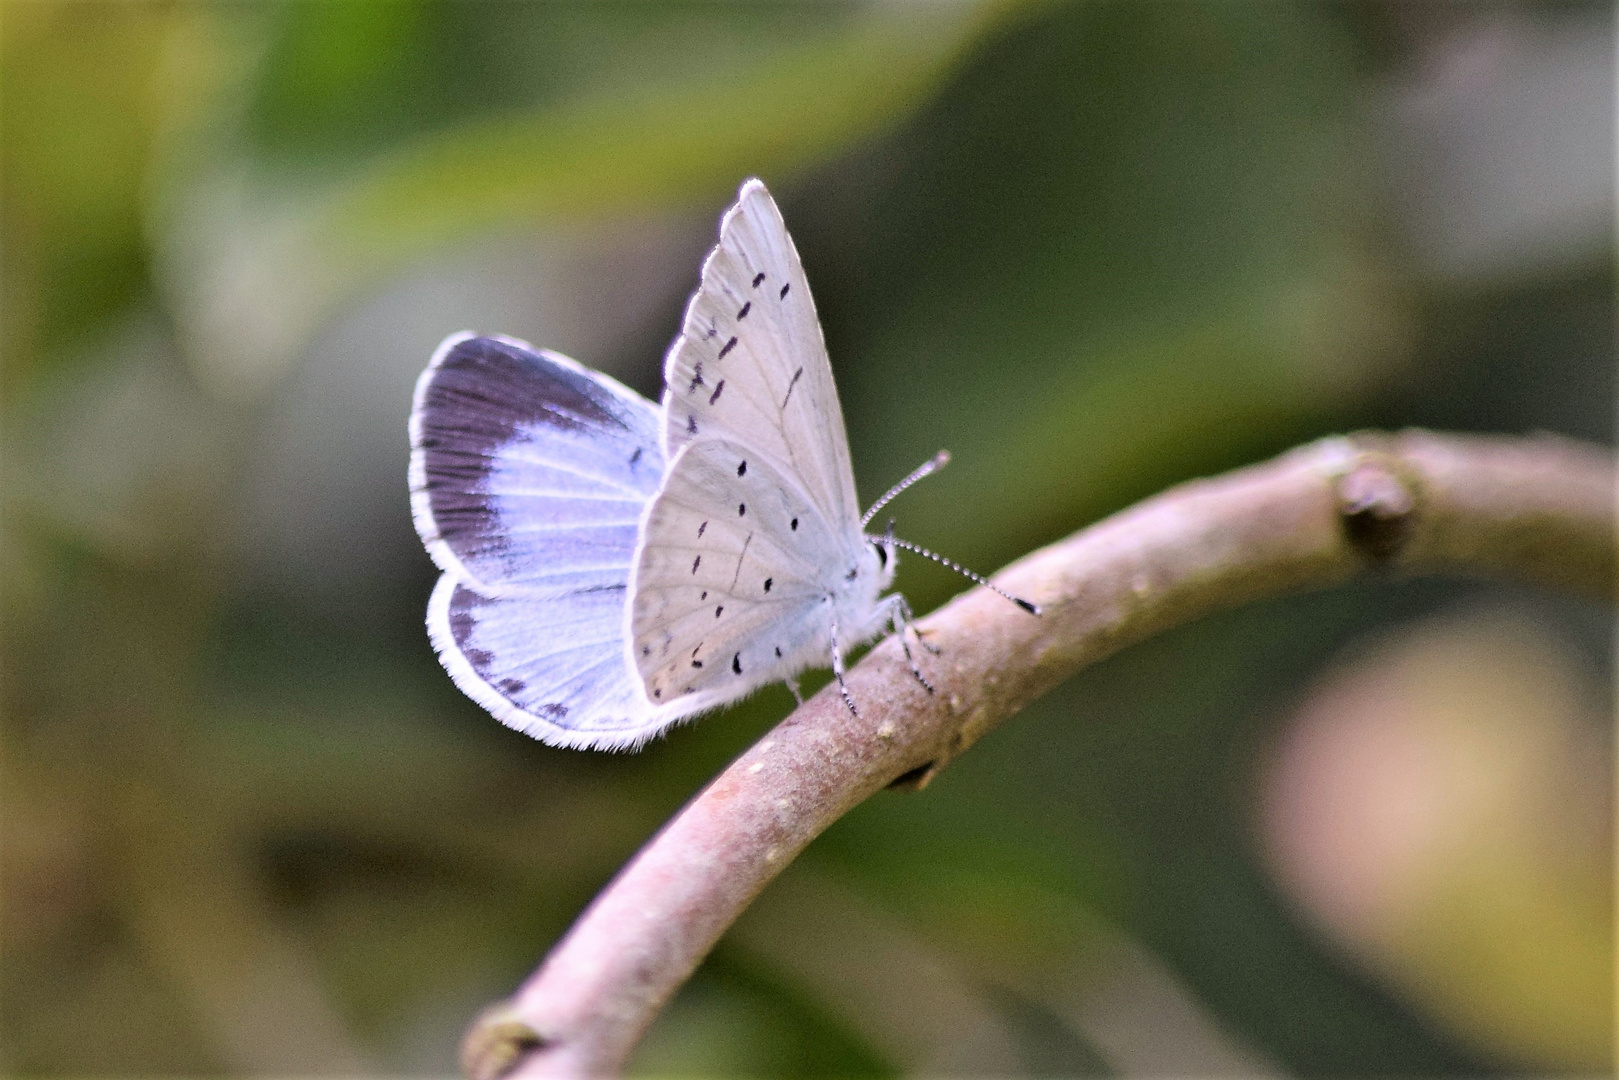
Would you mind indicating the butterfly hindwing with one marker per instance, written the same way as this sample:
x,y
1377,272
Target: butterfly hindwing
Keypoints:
x,y
549,666
750,363
728,591
528,471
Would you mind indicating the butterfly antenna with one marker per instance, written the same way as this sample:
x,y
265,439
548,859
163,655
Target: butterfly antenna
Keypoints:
x,y
932,465
890,538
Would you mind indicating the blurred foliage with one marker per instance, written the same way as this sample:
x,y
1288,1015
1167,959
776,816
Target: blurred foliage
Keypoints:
x,y
74,256
334,172
1093,249
1438,805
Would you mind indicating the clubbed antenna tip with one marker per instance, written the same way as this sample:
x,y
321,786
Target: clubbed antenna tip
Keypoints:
x,y
932,465
890,538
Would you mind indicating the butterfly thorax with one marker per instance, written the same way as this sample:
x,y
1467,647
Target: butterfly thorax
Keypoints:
x,y
855,601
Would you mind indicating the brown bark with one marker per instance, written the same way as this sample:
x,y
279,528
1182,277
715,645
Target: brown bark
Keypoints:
x,y
1538,510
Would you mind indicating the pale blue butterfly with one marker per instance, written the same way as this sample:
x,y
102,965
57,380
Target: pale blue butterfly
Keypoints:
x,y
612,567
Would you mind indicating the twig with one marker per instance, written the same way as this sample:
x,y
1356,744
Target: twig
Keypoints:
x,y
1539,510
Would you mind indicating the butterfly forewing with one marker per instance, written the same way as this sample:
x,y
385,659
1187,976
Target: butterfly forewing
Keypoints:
x,y
750,363
729,586
527,471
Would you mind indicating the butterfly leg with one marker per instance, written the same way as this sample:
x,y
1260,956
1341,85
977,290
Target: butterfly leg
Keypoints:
x,y
899,617
792,684
837,669
907,615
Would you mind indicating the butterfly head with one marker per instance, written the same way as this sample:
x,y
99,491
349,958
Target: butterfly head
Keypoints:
x,y
885,557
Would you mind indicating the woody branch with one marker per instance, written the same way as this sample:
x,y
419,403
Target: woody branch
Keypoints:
x,y
1537,510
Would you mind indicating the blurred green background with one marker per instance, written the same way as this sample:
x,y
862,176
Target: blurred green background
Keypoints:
x,y
1093,249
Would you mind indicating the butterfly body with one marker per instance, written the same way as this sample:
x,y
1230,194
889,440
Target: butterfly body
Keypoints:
x,y
611,567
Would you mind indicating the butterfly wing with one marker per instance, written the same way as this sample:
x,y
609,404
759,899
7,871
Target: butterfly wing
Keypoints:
x,y
529,475
750,363
528,472
550,666
729,588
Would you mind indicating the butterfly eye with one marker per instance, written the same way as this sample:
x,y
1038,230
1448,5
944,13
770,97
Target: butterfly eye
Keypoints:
x,y
882,555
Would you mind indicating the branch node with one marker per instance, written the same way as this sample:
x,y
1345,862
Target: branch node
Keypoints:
x,y
1377,509
914,779
496,1043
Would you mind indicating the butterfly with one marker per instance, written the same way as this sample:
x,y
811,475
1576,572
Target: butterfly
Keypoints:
x,y
612,567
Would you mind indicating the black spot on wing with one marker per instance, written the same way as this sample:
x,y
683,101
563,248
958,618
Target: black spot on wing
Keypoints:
x,y
757,278
696,377
719,609
727,347
695,563
742,469
794,525
741,509
554,710
783,294
702,529
736,663
691,425
799,374
718,390
743,314
769,582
